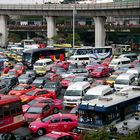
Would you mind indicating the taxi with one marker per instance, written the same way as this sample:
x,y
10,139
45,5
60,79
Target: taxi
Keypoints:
x,y
60,136
13,72
41,100
19,69
37,93
111,80
40,110
67,81
9,64
57,122
21,89
18,58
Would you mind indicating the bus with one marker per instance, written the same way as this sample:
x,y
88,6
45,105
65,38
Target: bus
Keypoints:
x,y
95,52
108,110
11,116
31,56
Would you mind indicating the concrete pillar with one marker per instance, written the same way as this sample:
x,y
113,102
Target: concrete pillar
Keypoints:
x,y
100,33
3,30
51,27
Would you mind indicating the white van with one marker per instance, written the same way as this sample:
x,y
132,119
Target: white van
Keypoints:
x,y
75,93
42,66
80,59
136,72
120,63
95,92
124,80
131,56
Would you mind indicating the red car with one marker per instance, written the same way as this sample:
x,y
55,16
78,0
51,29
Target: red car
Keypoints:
x,y
100,72
19,69
67,81
40,110
52,77
21,89
5,70
21,66
13,72
90,68
106,62
37,93
60,136
134,63
62,64
57,122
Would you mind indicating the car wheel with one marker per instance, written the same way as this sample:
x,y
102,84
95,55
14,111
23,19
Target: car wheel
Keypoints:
x,y
75,130
56,110
41,131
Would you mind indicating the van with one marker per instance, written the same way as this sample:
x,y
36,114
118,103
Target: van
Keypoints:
x,y
124,80
42,66
80,59
136,72
131,56
95,92
74,93
120,63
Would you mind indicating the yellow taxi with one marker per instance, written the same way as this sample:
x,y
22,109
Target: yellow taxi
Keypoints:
x,y
6,53
111,80
18,58
13,56
9,64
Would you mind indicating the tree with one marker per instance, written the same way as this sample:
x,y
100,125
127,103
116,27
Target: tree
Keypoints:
x,y
59,38
14,37
69,39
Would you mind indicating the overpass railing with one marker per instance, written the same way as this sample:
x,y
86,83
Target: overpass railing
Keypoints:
x,y
111,5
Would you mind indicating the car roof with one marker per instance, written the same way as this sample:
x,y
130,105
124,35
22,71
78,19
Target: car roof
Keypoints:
x,y
39,105
125,76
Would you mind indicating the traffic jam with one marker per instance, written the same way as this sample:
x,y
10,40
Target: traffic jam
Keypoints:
x,y
48,97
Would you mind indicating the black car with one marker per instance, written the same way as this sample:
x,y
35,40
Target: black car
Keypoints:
x,y
39,82
11,81
53,86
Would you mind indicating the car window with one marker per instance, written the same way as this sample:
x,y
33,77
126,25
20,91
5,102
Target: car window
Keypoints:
x,y
46,108
56,120
66,120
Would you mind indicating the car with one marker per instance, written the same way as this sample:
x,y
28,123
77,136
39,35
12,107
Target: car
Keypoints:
x,y
52,77
91,67
40,100
13,72
80,72
111,80
106,62
57,122
4,89
21,66
60,71
9,64
37,93
31,72
39,82
67,81
21,89
11,81
5,70
99,82
18,69
41,110
60,136
134,63
53,86
25,79
100,72
63,64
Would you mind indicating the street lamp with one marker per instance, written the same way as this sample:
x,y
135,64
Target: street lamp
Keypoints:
x,y
74,12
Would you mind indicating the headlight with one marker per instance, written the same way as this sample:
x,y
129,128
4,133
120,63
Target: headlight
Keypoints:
x,y
32,126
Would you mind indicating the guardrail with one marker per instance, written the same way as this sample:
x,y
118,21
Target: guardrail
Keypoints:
x,y
112,5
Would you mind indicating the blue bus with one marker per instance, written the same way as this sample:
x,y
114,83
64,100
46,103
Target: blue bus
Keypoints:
x,y
106,110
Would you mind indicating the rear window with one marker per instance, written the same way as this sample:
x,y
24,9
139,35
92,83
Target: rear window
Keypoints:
x,y
84,58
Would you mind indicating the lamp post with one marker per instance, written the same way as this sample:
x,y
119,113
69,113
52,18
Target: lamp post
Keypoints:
x,y
73,43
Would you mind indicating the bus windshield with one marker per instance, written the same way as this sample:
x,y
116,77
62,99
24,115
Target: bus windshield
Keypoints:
x,y
27,57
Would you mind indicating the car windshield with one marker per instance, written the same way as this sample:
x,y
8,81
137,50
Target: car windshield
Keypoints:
x,y
114,62
98,69
89,97
78,79
73,93
17,68
38,64
24,76
33,102
30,93
68,79
35,110
46,119
11,72
37,81
19,87
50,85
122,81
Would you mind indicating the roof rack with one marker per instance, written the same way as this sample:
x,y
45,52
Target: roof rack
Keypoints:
x,y
105,98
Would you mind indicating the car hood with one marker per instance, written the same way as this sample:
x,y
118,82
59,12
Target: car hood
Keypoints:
x,y
31,116
14,92
23,80
25,98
